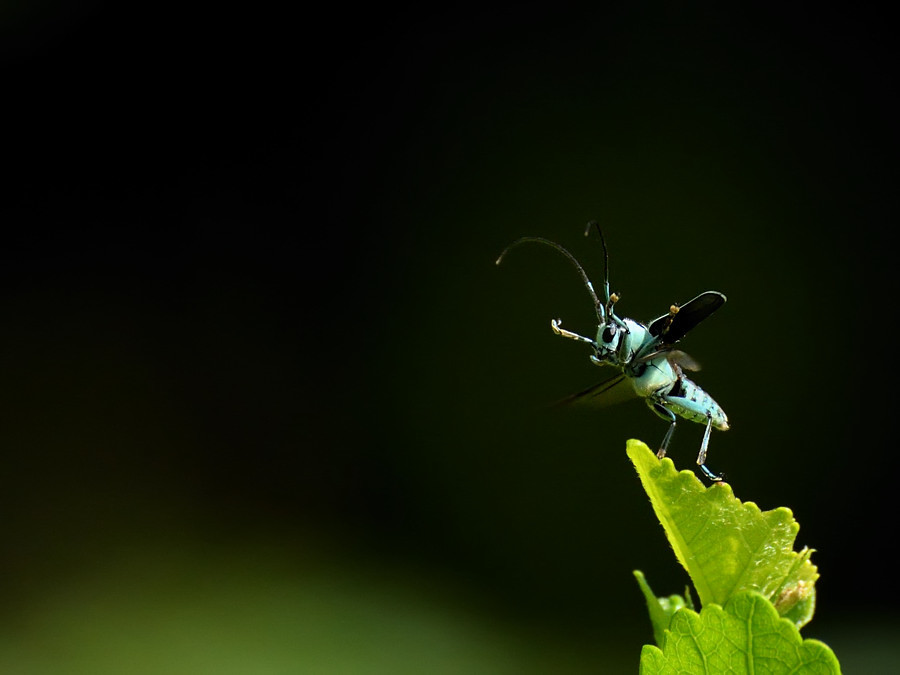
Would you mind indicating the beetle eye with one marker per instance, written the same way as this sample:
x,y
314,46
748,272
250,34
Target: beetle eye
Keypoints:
x,y
609,333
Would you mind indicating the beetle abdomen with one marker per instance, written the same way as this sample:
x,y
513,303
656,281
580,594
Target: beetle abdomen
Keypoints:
x,y
689,401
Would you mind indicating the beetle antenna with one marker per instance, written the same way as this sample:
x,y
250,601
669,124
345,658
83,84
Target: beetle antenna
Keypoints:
x,y
587,231
610,298
598,306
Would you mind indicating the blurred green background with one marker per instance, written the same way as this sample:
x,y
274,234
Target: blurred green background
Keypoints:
x,y
268,405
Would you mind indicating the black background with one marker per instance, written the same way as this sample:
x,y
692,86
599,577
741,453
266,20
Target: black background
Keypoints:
x,y
249,297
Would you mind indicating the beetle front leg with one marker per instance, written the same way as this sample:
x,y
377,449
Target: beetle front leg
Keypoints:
x,y
555,323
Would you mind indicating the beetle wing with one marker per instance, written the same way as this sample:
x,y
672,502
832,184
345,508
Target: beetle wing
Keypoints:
x,y
686,361
675,356
671,327
614,390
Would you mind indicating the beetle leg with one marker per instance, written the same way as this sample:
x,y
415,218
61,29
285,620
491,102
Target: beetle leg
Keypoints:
x,y
701,458
555,323
669,417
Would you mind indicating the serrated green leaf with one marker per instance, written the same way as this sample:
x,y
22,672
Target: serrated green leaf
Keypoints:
x,y
660,609
725,545
744,637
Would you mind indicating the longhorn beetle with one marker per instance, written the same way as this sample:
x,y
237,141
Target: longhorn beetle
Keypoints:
x,y
644,355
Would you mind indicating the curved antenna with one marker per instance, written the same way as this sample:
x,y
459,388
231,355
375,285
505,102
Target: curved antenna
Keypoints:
x,y
598,306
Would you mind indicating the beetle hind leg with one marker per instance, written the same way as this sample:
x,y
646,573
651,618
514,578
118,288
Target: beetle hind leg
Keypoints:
x,y
701,458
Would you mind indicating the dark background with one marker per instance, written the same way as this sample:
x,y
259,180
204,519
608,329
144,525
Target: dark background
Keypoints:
x,y
254,346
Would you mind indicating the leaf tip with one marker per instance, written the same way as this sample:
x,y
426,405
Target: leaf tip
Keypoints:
x,y
635,447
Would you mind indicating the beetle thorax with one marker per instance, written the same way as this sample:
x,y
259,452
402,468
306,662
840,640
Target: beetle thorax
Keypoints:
x,y
619,340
